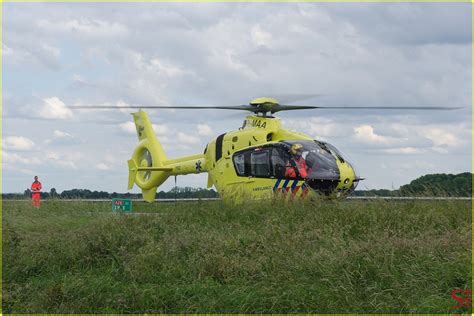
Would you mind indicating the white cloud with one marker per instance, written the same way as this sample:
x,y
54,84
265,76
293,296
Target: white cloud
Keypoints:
x,y
84,27
320,128
78,79
52,155
129,128
18,143
440,150
13,158
161,129
228,58
404,150
260,37
60,134
121,104
102,166
156,66
38,54
366,134
62,138
50,50
441,137
204,130
168,69
54,108
186,139
64,161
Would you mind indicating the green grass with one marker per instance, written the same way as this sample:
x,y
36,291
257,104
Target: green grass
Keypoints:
x,y
208,257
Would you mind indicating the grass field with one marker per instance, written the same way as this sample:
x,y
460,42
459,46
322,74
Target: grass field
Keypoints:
x,y
207,257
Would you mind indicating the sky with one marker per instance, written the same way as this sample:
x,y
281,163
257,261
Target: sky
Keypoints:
x,y
220,54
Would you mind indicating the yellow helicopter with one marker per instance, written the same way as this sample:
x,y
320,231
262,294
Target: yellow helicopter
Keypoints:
x,y
258,161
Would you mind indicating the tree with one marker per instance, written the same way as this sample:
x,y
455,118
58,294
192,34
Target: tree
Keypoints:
x,y
53,194
440,184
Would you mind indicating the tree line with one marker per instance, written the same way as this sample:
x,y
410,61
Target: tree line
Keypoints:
x,y
177,192
439,184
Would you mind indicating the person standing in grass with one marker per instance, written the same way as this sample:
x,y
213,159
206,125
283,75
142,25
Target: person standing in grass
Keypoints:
x,y
36,193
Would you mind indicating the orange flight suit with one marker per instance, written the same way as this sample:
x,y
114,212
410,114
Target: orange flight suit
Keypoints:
x,y
35,195
302,168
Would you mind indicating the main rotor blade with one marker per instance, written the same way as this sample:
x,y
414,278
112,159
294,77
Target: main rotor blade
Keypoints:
x,y
282,107
114,107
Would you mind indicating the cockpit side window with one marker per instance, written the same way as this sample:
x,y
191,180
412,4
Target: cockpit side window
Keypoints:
x,y
259,163
239,163
279,162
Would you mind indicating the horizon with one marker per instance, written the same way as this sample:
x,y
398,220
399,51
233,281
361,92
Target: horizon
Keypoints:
x,y
203,188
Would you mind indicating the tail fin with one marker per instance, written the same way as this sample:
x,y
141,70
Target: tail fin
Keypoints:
x,y
147,166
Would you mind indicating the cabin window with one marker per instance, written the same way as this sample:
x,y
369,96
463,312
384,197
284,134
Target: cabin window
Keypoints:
x,y
239,163
279,161
259,163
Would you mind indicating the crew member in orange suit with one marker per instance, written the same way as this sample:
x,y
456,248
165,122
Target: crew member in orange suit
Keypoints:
x,y
300,162
36,193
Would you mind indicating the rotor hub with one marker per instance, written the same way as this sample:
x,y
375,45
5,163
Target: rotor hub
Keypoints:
x,y
264,105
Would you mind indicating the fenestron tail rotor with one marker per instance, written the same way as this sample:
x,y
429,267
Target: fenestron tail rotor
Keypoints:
x,y
146,161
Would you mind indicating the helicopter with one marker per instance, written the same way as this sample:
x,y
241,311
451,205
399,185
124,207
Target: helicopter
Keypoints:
x,y
260,160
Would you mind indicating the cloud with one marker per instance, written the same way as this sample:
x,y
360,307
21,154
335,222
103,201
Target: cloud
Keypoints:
x,y
389,23
129,128
365,134
404,150
320,127
79,80
161,129
60,134
19,143
61,160
14,159
43,54
102,166
85,28
186,139
62,138
204,130
261,37
228,58
440,137
166,68
54,108
168,136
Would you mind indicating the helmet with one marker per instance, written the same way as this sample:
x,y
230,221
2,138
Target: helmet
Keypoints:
x,y
296,149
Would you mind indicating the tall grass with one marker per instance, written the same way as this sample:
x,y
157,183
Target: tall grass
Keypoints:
x,y
208,257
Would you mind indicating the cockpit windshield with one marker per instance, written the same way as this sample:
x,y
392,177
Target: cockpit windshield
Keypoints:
x,y
314,159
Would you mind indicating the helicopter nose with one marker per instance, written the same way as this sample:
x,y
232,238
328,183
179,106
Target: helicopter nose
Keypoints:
x,y
346,181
